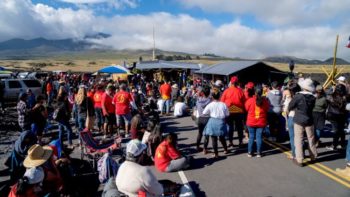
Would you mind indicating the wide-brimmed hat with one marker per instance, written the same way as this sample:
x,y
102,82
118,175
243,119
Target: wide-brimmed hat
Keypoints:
x,y
37,155
35,175
135,147
307,84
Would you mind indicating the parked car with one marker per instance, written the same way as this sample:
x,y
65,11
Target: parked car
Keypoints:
x,y
37,75
13,87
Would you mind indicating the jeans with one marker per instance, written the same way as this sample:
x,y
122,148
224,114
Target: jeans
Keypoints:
x,y
255,133
65,126
99,117
81,122
291,134
338,126
167,106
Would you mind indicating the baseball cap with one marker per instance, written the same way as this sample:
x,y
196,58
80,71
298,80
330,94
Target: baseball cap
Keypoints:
x,y
135,147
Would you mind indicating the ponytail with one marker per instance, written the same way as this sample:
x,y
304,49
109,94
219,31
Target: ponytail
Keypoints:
x,y
259,98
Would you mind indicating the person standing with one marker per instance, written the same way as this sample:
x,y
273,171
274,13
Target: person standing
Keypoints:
x,y
257,108
108,109
319,113
85,107
336,114
216,126
303,103
234,99
98,107
122,101
38,116
63,116
165,93
23,112
275,113
202,101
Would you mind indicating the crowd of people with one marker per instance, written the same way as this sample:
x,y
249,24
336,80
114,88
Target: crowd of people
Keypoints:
x,y
131,109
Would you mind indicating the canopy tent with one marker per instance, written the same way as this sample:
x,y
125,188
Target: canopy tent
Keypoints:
x,y
255,71
114,69
149,65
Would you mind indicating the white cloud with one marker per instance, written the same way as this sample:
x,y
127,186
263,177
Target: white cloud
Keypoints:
x,y
21,18
281,12
118,4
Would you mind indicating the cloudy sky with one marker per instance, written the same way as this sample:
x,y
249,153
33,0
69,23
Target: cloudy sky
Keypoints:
x,y
234,28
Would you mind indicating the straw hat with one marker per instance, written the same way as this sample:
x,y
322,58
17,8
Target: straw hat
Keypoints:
x,y
37,155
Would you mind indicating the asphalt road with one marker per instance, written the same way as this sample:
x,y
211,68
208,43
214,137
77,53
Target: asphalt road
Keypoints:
x,y
272,175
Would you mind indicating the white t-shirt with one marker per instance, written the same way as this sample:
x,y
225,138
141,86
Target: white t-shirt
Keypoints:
x,y
133,177
179,108
216,109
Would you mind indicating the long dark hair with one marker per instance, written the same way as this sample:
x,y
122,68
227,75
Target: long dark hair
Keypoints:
x,y
259,98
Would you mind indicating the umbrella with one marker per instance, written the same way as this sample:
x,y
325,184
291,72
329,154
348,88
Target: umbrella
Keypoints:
x,y
114,69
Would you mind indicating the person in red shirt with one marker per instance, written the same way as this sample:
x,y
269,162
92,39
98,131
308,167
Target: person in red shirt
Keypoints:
x,y
257,108
122,101
234,99
167,158
165,92
98,107
108,109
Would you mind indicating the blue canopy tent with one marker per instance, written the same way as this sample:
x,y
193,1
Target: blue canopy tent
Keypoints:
x,y
114,69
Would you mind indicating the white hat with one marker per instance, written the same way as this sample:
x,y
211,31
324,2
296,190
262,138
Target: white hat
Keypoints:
x,y
307,84
135,147
341,78
35,175
218,83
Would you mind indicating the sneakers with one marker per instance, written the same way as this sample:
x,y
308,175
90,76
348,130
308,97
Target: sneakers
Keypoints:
x,y
258,155
331,148
250,155
297,163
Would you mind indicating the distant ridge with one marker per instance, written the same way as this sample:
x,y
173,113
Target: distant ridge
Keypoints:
x,y
287,59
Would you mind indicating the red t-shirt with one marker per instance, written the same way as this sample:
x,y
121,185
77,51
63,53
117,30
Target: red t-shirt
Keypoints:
x,y
165,91
97,99
106,101
233,97
122,102
257,116
165,152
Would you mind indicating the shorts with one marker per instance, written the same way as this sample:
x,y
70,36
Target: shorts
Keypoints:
x,y
110,119
126,118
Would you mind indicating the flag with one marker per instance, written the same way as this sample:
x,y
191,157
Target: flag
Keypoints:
x,y
348,45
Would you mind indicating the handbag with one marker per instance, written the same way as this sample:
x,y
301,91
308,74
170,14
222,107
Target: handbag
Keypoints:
x,y
90,120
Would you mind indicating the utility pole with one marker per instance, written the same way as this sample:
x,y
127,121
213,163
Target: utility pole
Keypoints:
x,y
154,46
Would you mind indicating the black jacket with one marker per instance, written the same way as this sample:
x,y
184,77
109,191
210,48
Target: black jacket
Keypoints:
x,y
303,104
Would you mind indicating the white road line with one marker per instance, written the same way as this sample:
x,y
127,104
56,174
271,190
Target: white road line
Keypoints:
x,y
186,190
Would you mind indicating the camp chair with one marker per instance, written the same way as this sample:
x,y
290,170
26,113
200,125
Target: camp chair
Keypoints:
x,y
92,149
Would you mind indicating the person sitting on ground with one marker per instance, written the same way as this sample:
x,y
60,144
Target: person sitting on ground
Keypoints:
x,y
137,128
132,177
180,108
30,185
42,156
168,158
15,161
